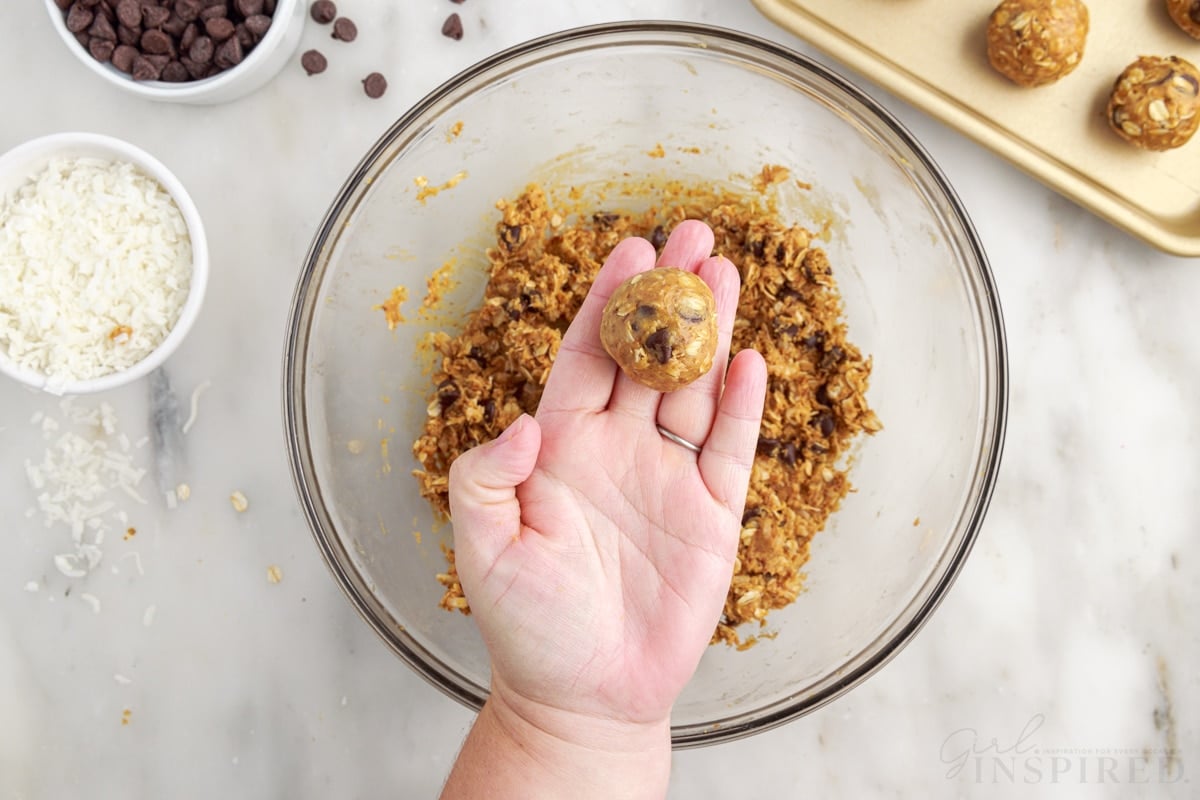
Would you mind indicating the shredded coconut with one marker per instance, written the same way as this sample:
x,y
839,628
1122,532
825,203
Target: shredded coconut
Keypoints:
x,y
92,601
121,679
191,420
32,586
85,460
95,267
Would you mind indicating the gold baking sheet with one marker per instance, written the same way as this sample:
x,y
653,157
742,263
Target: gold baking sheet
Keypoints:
x,y
932,53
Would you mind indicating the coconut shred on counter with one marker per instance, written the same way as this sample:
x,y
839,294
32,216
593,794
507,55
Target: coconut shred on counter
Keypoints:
x,y
95,267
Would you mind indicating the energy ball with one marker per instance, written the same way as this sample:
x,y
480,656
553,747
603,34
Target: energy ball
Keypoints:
x,y
1036,42
1155,103
660,326
1186,14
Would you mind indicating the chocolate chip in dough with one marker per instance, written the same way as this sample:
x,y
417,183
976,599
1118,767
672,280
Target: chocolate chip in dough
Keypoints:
x,y
323,12
374,85
313,62
345,30
453,27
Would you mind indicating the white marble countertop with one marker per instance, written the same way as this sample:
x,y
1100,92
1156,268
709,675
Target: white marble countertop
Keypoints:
x,y
1069,638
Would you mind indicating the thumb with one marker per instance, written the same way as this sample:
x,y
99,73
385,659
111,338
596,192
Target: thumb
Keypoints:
x,y
484,480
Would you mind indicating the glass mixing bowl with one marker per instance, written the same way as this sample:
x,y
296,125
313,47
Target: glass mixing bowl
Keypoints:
x,y
580,108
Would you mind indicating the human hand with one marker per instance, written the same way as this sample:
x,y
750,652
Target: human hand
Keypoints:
x,y
595,553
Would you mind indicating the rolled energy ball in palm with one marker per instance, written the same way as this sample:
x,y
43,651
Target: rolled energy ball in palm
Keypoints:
x,y
660,326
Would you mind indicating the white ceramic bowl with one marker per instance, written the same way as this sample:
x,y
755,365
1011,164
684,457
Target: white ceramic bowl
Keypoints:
x,y
259,67
26,160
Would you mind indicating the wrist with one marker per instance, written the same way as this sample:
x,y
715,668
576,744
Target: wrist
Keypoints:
x,y
590,755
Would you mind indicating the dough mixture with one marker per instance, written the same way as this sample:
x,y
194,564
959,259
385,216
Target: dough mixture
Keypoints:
x,y
546,255
660,326
1155,103
1036,42
1186,14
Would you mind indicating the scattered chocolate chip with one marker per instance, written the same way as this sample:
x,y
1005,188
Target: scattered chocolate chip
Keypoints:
x,y
658,344
79,18
787,454
658,237
123,56
175,73
345,30
476,355
144,69
258,25
453,27
129,12
832,357
313,62
815,341
101,49
155,16
749,514
229,54
645,311
489,411
605,219
219,29
822,395
457,2
323,12
374,85
513,236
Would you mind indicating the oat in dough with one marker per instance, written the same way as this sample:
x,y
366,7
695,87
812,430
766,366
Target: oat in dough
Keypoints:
x,y
1155,103
1186,14
660,326
548,252
1036,42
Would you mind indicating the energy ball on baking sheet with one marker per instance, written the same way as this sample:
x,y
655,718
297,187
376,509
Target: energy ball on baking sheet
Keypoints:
x,y
660,326
1155,103
1186,14
1037,42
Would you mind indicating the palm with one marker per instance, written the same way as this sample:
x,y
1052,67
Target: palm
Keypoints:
x,y
604,578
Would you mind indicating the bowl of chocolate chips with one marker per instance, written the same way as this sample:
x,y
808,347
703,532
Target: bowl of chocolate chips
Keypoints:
x,y
182,51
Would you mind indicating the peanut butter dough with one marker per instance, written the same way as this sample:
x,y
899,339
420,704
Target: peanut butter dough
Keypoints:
x,y
1186,14
660,326
549,249
1036,42
1155,102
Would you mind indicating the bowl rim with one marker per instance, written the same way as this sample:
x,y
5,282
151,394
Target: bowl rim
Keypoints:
x,y
985,299
44,148
187,90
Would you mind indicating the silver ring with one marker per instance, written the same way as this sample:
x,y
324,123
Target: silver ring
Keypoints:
x,y
677,439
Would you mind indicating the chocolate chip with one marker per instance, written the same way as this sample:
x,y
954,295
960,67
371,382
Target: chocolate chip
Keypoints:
x,y
476,355
145,70
103,29
269,7
605,219
258,24
374,85
219,29
658,344
658,237
249,8
345,30
175,72
244,36
129,36
453,27
822,395
825,423
189,10
645,311
123,56
767,445
832,357
489,411
512,236
194,68
447,393
815,341
323,12
313,62
749,514
229,54
101,49
129,12
155,16
457,2
189,36
175,25
214,11
79,18
63,5
156,43
787,454
83,38
201,51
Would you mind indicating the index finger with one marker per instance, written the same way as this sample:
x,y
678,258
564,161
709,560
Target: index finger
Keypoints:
x,y
582,376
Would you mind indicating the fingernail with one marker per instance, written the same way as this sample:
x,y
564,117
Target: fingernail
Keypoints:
x,y
512,430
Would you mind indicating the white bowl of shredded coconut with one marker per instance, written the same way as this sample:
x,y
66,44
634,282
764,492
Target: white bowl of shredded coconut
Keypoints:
x,y
103,263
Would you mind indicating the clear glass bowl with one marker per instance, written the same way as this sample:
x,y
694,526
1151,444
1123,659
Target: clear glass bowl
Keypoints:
x,y
583,107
